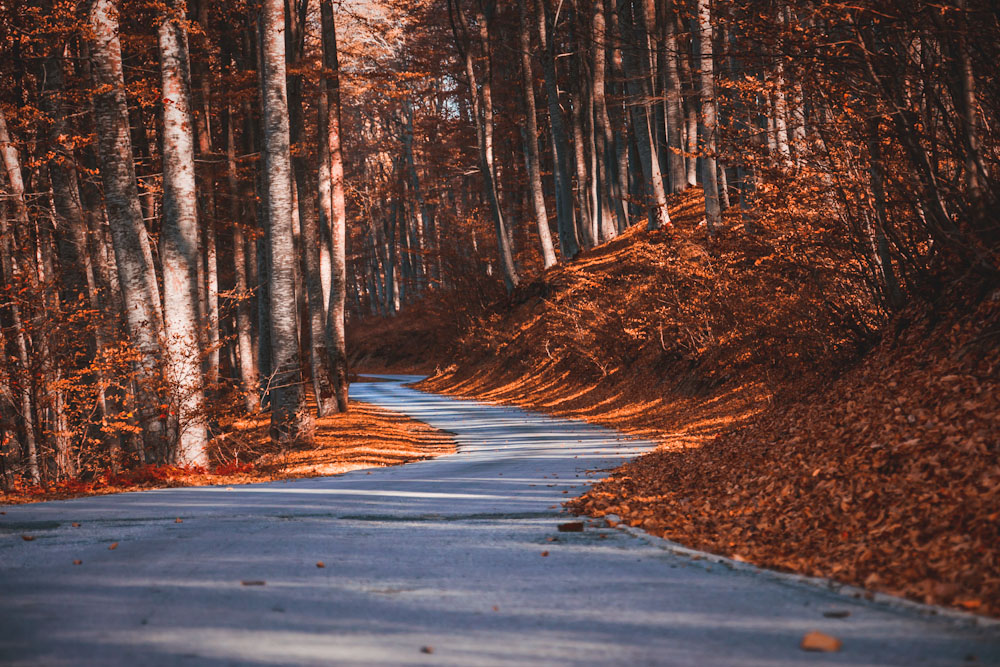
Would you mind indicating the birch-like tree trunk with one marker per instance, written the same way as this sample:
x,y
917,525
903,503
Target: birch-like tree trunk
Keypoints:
x,y
531,140
604,137
337,303
179,242
569,244
709,172
12,168
675,111
133,255
289,417
780,112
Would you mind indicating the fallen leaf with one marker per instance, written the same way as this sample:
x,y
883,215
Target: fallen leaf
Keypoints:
x,y
27,538
75,524
544,554
969,603
818,641
78,562
178,520
320,564
112,546
426,649
253,582
496,608
837,613
571,527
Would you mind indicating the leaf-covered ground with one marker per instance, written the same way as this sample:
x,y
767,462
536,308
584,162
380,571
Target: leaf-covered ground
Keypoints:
x,y
889,479
365,437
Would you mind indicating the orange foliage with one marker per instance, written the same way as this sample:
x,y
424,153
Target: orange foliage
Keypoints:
x,y
365,437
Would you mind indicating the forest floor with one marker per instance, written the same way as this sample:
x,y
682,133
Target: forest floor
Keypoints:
x,y
365,437
877,467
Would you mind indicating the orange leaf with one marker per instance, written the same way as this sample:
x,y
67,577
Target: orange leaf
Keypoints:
x,y
818,641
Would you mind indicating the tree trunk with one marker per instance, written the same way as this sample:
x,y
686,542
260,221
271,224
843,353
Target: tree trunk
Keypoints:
x,y
12,167
289,417
179,243
974,167
569,245
483,118
67,204
709,175
578,111
604,137
780,112
244,340
619,122
642,120
531,141
419,226
675,111
133,255
336,305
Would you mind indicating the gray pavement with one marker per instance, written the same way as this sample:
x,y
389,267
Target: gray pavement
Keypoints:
x,y
437,562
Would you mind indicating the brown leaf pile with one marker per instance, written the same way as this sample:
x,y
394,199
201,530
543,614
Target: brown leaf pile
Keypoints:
x,y
888,479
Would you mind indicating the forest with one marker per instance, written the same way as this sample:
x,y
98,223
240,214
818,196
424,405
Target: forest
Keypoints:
x,y
609,209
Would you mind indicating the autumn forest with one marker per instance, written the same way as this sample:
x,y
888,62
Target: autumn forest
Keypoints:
x,y
763,234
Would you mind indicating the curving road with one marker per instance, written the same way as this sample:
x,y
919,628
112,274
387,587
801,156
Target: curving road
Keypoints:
x,y
438,562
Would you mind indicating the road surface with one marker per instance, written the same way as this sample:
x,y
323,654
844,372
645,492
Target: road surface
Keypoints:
x,y
456,560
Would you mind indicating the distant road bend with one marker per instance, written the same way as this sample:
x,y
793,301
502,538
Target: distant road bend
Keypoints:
x,y
455,560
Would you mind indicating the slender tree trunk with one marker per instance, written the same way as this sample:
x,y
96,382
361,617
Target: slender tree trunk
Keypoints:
x,y
313,325
710,176
244,341
569,244
780,112
604,137
642,119
974,167
208,258
319,354
483,116
619,118
12,167
423,223
511,279
289,418
690,128
179,242
133,255
531,140
675,111
883,259
68,207
578,111
336,310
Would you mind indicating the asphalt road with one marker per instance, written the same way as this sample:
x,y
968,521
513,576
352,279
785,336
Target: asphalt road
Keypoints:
x,y
457,560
